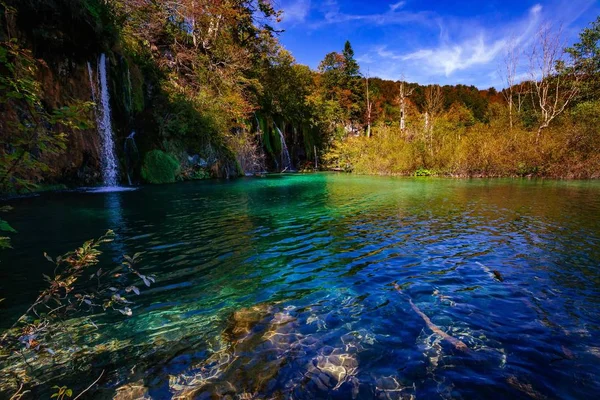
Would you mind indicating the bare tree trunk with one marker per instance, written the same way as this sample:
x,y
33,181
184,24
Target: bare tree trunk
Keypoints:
x,y
434,100
193,23
510,112
511,63
522,92
402,108
555,84
404,94
369,107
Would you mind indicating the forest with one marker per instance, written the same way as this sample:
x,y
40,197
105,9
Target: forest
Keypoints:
x,y
207,91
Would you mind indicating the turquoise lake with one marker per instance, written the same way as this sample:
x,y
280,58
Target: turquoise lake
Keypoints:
x,y
332,286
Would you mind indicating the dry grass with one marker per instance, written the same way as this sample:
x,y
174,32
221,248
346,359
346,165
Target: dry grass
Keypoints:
x,y
567,150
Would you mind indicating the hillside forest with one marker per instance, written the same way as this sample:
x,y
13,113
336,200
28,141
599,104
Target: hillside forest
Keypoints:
x,y
203,89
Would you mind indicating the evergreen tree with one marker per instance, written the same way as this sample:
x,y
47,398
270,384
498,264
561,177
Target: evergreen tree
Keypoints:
x,y
351,68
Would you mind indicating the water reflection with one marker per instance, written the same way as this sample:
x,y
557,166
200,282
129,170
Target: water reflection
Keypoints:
x,y
112,205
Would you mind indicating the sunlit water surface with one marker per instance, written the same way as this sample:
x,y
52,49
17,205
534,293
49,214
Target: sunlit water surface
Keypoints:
x,y
319,286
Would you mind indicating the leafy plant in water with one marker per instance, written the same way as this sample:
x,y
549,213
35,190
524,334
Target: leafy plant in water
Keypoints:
x,y
5,227
61,392
69,295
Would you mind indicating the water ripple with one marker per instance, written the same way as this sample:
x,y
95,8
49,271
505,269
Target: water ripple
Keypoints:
x,y
333,286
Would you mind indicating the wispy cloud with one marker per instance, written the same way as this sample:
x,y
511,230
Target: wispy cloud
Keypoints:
x,y
296,10
332,14
472,50
443,44
480,49
449,58
395,6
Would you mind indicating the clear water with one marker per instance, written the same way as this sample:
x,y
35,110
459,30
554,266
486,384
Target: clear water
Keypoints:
x,y
286,287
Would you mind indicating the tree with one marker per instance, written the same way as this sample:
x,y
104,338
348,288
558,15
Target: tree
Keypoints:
x,y
351,68
369,106
522,91
341,83
405,92
206,60
511,63
434,102
352,83
586,60
555,84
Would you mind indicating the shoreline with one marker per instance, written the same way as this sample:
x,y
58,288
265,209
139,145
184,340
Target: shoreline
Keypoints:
x,y
58,188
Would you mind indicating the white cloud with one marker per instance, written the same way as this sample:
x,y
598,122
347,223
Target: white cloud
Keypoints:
x,y
296,10
365,59
427,47
396,6
447,59
464,52
332,14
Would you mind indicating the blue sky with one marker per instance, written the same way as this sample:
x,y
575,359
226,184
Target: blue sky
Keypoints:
x,y
445,42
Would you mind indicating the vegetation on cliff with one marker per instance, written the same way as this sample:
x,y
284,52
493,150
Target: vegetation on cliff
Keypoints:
x,y
159,167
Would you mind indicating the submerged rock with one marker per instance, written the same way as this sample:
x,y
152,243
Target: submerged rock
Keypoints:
x,y
273,352
132,391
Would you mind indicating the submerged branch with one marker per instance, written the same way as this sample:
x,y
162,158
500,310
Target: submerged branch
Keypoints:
x,y
436,329
459,345
89,387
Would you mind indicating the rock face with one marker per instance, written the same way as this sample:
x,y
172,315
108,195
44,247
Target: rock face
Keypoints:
x,y
65,39
81,164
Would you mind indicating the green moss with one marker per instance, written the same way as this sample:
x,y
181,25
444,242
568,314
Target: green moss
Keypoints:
x,y
137,89
159,167
200,174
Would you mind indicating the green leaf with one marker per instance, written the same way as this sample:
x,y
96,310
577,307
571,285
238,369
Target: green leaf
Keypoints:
x,y
4,242
5,227
2,55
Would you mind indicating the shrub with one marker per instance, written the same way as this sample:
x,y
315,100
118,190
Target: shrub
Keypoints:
x,y
159,167
423,172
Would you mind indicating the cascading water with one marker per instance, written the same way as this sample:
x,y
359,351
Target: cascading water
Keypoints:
x,y
109,158
286,161
92,85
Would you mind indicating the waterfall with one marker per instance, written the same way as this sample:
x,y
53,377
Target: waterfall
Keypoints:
x,y
259,131
109,158
92,85
259,156
286,161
